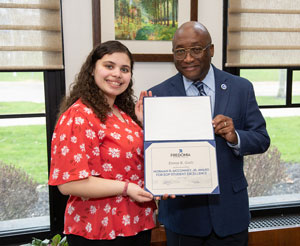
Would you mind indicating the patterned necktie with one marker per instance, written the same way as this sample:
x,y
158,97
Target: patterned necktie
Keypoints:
x,y
199,86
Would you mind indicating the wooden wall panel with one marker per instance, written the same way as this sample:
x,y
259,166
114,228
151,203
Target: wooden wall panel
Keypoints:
x,y
274,237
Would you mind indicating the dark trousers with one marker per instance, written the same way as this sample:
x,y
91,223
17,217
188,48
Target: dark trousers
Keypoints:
x,y
141,239
239,239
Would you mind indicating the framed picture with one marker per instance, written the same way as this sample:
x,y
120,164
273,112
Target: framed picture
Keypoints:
x,y
143,50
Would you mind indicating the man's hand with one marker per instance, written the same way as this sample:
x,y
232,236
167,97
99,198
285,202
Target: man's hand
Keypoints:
x,y
225,128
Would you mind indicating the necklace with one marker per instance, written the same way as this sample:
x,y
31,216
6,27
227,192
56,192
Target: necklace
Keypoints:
x,y
117,113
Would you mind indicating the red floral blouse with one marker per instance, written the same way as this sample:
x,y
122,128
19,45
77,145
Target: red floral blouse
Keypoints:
x,y
83,146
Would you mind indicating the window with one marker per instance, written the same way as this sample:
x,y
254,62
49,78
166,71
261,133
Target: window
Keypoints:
x,y
23,158
272,174
31,87
269,85
296,87
28,106
264,52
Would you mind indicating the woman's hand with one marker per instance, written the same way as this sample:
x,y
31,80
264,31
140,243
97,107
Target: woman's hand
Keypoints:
x,y
139,109
138,194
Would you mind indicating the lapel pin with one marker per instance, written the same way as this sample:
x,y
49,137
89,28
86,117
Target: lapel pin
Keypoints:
x,y
223,86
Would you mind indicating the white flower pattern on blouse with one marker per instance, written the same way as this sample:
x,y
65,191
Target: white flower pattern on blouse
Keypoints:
x,y
128,130
96,151
127,168
128,155
147,211
77,218
90,134
101,134
114,152
105,221
119,177
65,150
62,119
74,139
94,173
55,173
83,174
119,199
70,121
136,219
88,110
107,208
82,147
66,175
93,209
88,227
54,149
112,234
126,220
107,167
116,126
130,138
62,137
70,210
134,177
79,121
115,135
77,157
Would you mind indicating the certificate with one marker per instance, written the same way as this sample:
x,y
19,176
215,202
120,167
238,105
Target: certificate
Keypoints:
x,y
179,146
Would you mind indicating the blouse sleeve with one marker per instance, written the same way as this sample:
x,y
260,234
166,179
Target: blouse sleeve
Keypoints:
x,y
73,142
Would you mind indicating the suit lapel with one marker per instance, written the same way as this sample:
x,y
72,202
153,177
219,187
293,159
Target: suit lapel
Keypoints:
x,y
177,87
222,88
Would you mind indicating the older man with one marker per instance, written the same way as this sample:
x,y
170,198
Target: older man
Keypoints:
x,y
240,129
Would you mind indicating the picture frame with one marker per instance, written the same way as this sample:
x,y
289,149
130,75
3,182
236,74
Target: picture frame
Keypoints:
x,y
157,51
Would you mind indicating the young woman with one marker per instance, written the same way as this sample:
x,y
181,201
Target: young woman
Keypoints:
x,y
97,154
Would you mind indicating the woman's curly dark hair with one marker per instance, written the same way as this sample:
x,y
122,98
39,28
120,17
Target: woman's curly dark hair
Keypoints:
x,y
85,88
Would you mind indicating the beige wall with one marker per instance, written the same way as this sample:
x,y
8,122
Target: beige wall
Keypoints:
x,y
77,29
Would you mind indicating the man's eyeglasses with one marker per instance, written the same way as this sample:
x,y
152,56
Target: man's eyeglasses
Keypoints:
x,y
196,52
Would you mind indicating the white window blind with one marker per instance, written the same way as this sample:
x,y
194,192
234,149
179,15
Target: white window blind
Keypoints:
x,y
263,33
30,35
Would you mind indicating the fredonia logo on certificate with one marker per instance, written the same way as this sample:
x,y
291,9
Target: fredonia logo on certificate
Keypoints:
x,y
180,156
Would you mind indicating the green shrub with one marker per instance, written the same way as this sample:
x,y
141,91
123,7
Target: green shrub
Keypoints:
x,y
18,193
57,240
263,171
